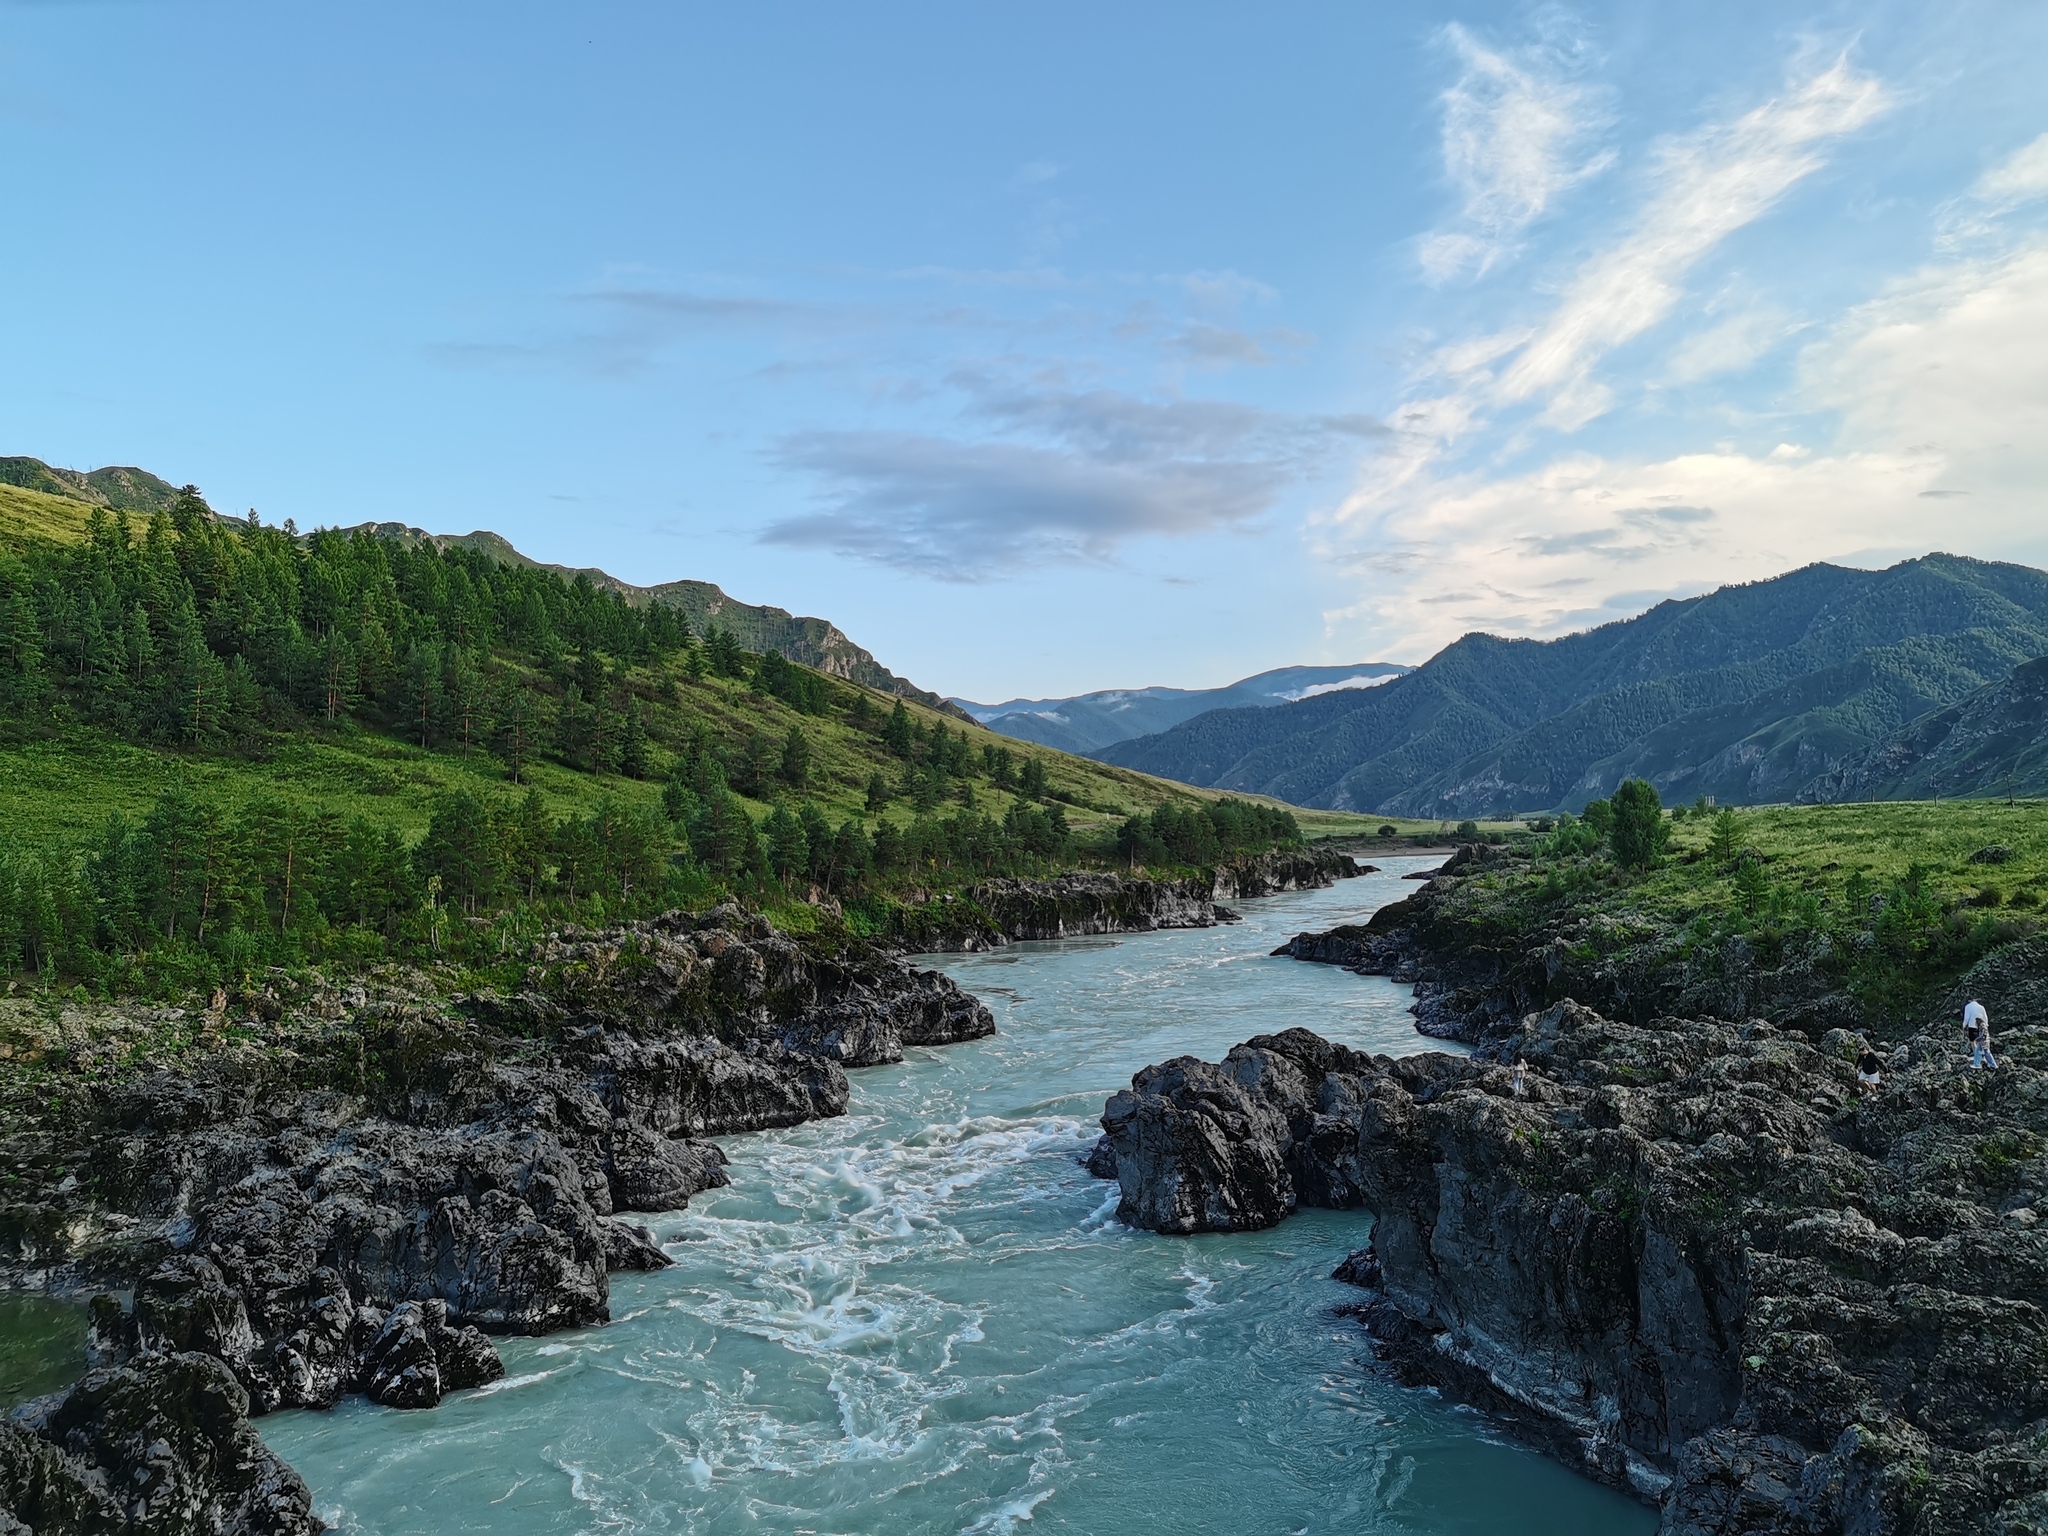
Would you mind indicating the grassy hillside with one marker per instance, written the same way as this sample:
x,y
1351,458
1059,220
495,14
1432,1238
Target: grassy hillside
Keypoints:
x,y
29,517
222,747
1886,904
120,488
1749,694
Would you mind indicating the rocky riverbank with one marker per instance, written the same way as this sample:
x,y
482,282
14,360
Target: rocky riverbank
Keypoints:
x,y
1693,1260
998,912
1482,956
349,1190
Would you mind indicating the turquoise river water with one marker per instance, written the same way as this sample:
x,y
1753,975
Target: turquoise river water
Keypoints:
x,y
922,1317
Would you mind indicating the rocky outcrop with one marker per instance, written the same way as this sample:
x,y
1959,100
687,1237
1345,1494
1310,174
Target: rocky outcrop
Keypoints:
x,y
352,1202
159,1447
1284,869
998,912
1237,1146
1693,1260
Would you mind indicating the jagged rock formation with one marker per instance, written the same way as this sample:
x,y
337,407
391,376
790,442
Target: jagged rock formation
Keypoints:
x,y
159,1447
1247,877
998,912
1694,1260
345,1206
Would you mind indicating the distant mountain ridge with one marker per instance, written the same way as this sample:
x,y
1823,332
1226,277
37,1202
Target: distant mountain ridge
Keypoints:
x,y
119,488
1750,693
1089,721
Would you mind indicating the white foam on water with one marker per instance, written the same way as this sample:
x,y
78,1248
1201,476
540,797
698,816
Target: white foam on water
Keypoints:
x,y
924,1315
507,1383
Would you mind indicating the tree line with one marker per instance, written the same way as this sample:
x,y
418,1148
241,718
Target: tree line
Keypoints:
x,y
204,632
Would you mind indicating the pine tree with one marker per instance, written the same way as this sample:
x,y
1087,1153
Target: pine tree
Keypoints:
x,y
878,793
461,846
421,691
896,735
1640,830
525,837
518,728
796,759
1726,837
789,848
21,640
817,841
633,741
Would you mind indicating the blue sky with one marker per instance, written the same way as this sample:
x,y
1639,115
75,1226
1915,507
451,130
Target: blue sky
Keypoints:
x,y
1058,347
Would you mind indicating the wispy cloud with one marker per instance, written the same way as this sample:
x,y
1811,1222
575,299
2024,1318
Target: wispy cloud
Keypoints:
x,y
1708,186
1069,476
1730,344
2019,179
1941,388
617,332
1515,138
965,511
1542,549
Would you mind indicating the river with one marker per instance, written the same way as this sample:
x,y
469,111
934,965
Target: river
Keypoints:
x,y
922,1317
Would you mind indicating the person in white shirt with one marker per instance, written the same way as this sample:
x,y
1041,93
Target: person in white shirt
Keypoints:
x,y
1977,1025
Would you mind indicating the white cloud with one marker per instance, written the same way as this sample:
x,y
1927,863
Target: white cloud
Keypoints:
x,y
1709,185
2019,179
1514,138
1093,471
1941,388
1729,346
1585,538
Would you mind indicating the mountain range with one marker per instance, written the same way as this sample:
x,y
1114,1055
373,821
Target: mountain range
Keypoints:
x,y
1994,742
1827,683
1089,721
1761,692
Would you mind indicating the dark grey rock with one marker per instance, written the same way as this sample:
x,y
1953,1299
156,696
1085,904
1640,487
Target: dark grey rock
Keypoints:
x,y
161,1446
1692,1260
350,1206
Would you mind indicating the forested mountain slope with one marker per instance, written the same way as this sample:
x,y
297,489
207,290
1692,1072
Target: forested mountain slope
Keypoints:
x,y
815,643
1995,742
1750,693
223,746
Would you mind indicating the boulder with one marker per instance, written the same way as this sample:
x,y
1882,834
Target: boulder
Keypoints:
x,y
161,1446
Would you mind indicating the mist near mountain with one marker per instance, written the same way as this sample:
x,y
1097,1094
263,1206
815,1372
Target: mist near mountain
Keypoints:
x,y
1089,721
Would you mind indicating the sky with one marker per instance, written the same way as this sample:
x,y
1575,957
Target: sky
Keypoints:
x,y
1058,347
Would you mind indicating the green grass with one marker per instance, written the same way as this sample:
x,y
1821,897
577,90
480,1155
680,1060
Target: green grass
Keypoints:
x,y
1814,848
59,790
28,516
1880,901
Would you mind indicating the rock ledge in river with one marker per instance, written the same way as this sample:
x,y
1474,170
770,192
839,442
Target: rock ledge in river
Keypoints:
x,y
1693,1261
